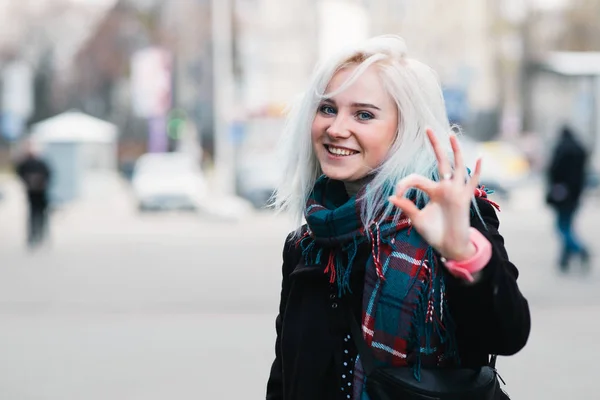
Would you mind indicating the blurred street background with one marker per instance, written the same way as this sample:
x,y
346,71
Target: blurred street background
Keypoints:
x,y
158,120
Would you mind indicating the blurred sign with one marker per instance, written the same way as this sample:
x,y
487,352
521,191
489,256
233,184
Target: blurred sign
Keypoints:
x,y
151,82
158,141
17,89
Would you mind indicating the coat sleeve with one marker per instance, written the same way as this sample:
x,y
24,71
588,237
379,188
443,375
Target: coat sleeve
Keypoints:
x,y
275,382
491,316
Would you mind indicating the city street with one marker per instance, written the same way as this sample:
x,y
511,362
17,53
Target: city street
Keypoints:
x,y
123,306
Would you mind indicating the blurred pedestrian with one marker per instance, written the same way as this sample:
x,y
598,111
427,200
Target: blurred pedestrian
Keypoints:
x,y
35,175
400,264
566,183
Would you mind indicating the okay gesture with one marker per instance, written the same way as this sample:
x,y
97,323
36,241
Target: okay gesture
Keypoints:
x,y
445,221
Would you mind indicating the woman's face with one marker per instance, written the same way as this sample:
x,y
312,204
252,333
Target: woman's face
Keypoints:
x,y
353,131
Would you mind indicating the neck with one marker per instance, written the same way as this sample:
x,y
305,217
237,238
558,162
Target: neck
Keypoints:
x,y
353,187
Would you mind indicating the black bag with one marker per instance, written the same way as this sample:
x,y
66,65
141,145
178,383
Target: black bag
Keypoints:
x,y
399,383
557,195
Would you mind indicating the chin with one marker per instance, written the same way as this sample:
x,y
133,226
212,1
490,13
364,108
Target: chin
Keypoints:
x,y
339,174
338,177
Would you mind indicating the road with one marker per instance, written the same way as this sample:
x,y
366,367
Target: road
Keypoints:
x,y
173,306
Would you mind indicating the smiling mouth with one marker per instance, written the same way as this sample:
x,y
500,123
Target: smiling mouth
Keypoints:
x,y
338,151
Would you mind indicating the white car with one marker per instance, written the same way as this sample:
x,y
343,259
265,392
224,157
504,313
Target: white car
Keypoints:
x,y
168,181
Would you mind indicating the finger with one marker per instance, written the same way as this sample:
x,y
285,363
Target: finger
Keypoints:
x,y
474,181
416,181
408,207
459,163
443,163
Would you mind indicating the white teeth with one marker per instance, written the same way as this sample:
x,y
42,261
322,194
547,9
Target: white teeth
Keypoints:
x,y
340,152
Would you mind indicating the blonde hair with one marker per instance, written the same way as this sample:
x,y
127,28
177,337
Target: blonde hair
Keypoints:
x,y
417,93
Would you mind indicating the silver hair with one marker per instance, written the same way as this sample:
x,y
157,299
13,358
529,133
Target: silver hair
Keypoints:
x,y
417,93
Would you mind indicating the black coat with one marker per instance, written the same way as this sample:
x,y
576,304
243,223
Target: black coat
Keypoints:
x,y
35,175
491,316
567,172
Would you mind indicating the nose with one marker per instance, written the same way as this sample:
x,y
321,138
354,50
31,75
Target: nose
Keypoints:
x,y
338,128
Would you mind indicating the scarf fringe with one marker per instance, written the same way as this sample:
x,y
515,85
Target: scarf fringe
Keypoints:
x,y
331,267
482,192
375,239
338,270
432,318
351,249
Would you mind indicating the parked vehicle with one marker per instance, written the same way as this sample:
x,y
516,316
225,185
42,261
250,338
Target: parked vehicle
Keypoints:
x,y
257,178
504,166
168,181
257,168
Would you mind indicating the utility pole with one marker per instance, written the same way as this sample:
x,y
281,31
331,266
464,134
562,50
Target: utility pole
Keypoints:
x,y
223,93
526,68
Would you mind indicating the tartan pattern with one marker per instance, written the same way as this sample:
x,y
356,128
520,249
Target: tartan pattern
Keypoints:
x,y
404,318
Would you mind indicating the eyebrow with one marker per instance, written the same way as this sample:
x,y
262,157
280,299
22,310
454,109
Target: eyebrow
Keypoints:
x,y
356,105
365,105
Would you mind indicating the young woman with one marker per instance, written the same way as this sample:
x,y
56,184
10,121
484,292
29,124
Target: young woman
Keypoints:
x,y
397,233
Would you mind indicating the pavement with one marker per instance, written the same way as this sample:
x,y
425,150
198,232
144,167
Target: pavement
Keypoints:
x,y
125,306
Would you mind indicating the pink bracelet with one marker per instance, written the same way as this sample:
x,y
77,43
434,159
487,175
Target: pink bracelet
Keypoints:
x,y
466,268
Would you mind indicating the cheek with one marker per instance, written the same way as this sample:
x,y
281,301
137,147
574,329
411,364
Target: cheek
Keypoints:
x,y
376,151
316,129
378,143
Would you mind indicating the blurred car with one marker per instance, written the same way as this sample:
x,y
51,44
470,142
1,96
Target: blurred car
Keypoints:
x,y
258,169
257,177
504,166
168,181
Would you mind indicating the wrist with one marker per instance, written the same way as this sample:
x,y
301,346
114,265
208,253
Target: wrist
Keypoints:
x,y
467,253
466,269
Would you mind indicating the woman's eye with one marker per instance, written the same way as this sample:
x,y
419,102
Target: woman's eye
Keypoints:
x,y
328,110
364,116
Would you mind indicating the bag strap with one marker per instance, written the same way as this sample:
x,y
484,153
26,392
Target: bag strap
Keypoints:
x,y
364,350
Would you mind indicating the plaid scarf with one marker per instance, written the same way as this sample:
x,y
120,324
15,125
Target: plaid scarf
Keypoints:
x,y
405,319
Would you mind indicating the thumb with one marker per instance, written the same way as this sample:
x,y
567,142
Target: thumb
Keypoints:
x,y
407,206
